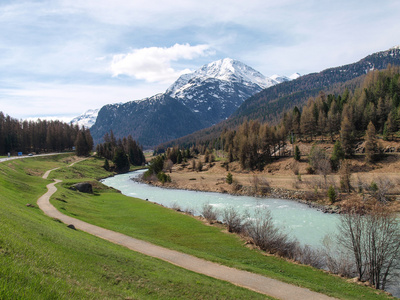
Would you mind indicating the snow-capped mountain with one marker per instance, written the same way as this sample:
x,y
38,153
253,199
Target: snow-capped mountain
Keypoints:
x,y
194,101
87,119
280,78
283,78
217,89
228,70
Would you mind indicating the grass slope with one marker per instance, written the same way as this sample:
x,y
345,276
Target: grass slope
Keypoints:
x,y
110,209
41,258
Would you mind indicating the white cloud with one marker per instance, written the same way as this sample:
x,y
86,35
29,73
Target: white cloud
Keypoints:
x,y
153,64
66,101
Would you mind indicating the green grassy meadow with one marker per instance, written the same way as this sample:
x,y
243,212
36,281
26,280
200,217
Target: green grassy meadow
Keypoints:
x,y
144,220
41,258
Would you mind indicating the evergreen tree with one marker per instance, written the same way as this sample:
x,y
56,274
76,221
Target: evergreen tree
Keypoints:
x,y
391,124
371,144
331,194
179,157
121,161
106,165
83,143
337,155
297,153
229,178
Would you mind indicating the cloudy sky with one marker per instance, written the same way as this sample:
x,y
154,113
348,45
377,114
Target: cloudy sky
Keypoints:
x,y
59,58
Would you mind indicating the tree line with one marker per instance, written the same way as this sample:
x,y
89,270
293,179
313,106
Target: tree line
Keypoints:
x,y
40,136
122,152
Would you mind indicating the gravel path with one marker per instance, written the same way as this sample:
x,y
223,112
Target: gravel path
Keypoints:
x,y
255,282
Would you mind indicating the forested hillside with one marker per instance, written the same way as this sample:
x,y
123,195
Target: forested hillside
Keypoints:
x,y
357,115
343,117
270,104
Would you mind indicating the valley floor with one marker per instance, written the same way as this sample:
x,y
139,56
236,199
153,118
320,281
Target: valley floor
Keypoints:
x,y
278,179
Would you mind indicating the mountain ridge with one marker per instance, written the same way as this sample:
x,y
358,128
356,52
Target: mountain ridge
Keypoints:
x,y
206,96
269,104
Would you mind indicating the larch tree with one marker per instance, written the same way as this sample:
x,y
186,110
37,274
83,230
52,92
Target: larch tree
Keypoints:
x,y
371,144
347,136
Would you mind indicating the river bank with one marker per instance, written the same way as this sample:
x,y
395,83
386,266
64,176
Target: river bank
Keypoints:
x,y
289,179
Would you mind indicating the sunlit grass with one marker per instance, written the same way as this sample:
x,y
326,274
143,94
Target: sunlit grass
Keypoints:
x,y
110,209
40,258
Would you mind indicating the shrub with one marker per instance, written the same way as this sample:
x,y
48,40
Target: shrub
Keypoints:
x,y
199,166
209,213
310,170
163,177
331,194
297,153
266,235
234,221
229,178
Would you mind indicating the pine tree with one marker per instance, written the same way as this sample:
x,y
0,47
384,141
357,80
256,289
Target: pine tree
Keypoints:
x,y
337,155
106,165
391,124
297,153
371,144
82,145
331,194
121,161
229,178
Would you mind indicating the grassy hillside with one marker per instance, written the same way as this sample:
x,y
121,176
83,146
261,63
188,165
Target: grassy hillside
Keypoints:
x,y
41,258
108,208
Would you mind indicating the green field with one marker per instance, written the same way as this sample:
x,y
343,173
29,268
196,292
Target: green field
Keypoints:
x,y
41,258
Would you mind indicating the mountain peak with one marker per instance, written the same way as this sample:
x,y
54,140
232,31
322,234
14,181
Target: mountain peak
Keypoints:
x,y
226,69
87,119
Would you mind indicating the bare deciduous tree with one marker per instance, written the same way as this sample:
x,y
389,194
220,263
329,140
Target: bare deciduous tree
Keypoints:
x,y
373,237
209,213
234,221
168,164
266,235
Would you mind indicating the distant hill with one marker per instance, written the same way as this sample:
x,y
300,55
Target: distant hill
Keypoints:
x,y
269,104
195,101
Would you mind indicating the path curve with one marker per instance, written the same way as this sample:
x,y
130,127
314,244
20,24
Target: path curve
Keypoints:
x,y
255,282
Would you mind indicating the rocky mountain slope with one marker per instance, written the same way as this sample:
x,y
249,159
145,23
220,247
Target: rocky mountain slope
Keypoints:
x,y
269,104
195,101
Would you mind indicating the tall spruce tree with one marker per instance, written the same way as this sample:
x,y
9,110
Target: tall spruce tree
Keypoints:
x,y
337,155
121,161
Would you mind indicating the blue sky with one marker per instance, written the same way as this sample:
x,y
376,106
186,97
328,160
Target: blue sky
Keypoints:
x,y
60,58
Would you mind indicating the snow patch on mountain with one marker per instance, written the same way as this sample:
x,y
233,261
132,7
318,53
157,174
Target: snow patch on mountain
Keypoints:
x,y
280,78
294,76
227,70
87,119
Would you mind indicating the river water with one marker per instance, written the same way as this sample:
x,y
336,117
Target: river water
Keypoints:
x,y
307,224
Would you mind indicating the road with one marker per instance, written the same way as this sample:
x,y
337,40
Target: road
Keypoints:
x,y
27,156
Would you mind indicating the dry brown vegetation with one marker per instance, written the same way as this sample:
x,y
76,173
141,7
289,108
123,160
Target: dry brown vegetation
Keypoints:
x,y
288,178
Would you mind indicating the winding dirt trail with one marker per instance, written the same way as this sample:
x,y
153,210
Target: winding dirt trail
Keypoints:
x,y
255,282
